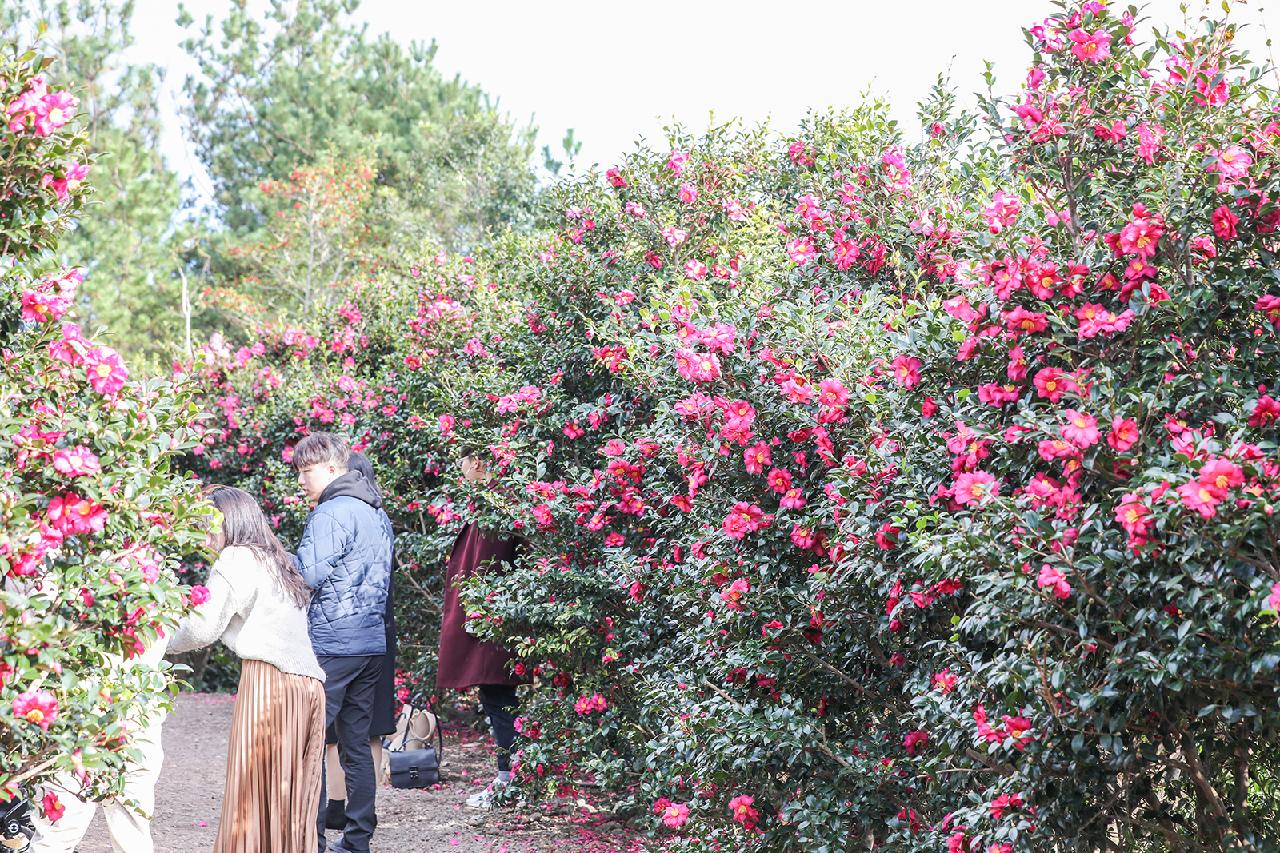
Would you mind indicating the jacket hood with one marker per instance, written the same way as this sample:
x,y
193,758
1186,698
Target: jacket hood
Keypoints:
x,y
353,485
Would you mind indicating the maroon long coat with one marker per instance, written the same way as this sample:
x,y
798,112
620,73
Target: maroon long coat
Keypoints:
x,y
464,660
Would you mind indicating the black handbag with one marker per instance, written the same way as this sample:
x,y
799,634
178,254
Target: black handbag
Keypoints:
x,y
415,768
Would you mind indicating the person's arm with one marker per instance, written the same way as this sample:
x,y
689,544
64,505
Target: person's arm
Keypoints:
x,y
323,543
205,624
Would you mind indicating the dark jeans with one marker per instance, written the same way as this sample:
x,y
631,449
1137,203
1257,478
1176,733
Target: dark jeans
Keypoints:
x,y
499,704
348,704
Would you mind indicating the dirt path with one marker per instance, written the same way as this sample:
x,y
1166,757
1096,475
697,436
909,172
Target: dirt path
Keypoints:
x,y
189,798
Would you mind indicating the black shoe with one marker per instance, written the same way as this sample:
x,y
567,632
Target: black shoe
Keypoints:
x,y
335,815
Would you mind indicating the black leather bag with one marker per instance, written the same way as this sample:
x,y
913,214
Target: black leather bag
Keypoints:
x,y
415,768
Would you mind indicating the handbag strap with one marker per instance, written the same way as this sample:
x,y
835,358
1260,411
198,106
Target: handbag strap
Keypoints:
x,y
408,721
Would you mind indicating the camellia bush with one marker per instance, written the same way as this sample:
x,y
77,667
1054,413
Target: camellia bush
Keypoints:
x,y
93,516
877,493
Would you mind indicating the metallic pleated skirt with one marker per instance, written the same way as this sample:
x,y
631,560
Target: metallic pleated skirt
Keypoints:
x,y
273,763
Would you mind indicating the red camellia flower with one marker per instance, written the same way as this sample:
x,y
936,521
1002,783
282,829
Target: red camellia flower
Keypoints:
x,y
744,812
944,681
52,807
732,594
915,741
1224,223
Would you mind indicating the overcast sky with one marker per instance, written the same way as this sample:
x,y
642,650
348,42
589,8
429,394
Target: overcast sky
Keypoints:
x,y
615,72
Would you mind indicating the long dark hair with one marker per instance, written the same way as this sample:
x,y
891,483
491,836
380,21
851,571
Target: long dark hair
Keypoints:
x,y
243,524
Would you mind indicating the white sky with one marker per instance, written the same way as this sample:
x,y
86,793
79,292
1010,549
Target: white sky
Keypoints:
x,y
615,72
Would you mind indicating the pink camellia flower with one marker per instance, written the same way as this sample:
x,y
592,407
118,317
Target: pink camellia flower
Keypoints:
x,y
40,307
1052,383
733,593
756,457
1141,236
1096,320
675,815
105,370
1054,579
674,236
615,179
793,498
944,681
695,269
36,706
1124,434
1232,162
832,393
1224,223
915,741
77,461
744,812
906,371
1020,321
975,488
1001,212
595,703
745,518
70,514
1135,517
1273,600
676,162
779,479
1270,306
1221,475
1200,497
199,595
1266,410
1081,429
1090,47
697,366
688,193
801,250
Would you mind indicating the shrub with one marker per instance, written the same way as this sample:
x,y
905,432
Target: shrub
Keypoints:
x,y
93,517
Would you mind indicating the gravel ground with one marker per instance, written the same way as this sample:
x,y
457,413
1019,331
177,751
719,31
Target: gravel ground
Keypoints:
x,y
189,798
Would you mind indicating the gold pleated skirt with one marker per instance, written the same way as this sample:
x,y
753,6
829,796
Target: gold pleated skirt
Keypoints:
x,y
272,794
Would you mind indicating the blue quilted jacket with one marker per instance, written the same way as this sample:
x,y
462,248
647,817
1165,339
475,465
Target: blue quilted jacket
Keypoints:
x,y
345,557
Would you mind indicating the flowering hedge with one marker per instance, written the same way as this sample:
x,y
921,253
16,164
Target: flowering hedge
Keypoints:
x,y
92,515
879,493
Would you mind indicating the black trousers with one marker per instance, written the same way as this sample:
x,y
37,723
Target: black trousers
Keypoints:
x,y
348,707
499,704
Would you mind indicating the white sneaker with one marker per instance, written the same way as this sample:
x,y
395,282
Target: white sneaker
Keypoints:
x,y
483,799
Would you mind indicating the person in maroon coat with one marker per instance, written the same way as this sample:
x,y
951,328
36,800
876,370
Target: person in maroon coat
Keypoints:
x,y
466,661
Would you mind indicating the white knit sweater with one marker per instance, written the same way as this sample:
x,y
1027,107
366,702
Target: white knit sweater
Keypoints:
x,y
251,614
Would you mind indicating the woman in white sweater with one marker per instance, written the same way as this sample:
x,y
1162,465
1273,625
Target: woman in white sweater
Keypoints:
x,y
257,606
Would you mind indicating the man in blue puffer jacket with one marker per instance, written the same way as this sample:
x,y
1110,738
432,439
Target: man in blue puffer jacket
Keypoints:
x,y
345,557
